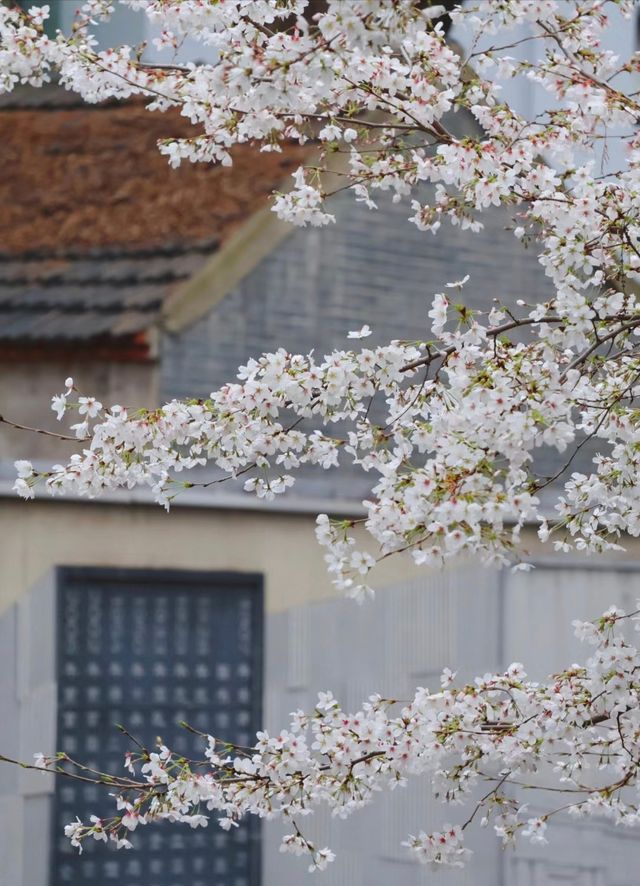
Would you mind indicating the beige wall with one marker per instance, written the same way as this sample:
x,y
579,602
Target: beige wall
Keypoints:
x,y
26,391
38,535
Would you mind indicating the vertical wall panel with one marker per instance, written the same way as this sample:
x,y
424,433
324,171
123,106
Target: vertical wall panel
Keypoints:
x,y
297,648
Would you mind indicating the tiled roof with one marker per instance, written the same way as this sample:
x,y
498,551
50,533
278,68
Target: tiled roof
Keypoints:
x,y
96,227
102,292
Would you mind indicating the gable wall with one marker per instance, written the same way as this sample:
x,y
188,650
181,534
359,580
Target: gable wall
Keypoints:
x,y
319,283
371,266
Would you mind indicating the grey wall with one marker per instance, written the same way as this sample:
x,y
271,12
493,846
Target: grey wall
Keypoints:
x,y
391,645
471,619
474,621
371,266
27,726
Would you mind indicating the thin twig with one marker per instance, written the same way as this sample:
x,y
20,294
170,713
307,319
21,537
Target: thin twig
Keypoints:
x,y
19,427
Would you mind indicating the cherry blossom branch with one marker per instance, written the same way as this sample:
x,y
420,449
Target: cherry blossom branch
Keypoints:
x,y
452,458
491,332
450,738
600,340
19,427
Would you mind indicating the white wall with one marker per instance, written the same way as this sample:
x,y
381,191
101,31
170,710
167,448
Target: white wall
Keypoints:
x,y
471,619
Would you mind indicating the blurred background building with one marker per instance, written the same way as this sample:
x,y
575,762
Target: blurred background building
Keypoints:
x,y
145,283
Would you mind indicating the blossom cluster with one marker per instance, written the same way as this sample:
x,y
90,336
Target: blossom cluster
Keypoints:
x,y
572,742
448,430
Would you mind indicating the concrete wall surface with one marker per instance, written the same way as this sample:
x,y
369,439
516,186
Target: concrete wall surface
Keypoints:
x,y
28,692
473,621
26,392
36,536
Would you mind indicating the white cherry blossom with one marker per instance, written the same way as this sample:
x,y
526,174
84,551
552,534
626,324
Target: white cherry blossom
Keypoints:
x,y
466,408
482,749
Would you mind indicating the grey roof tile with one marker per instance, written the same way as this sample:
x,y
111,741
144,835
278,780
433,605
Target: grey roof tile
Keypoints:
x,y
112,293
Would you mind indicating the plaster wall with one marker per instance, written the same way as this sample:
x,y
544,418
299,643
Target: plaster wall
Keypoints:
x,y
35,536
25,398
38,535
468,618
